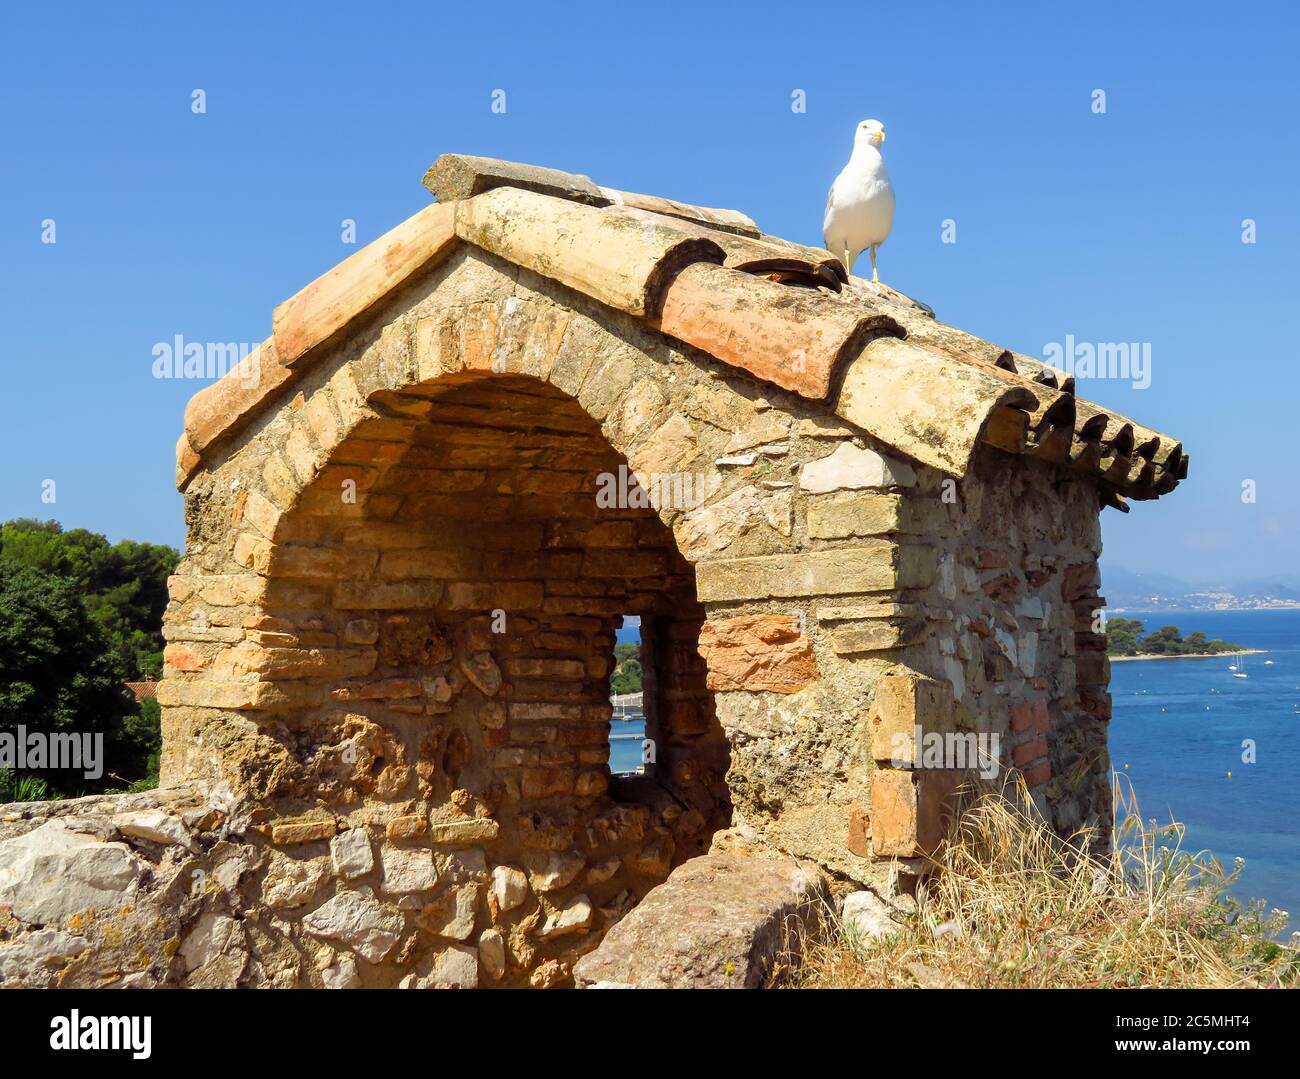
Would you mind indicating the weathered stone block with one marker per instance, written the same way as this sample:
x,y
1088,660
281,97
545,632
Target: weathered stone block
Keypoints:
x,y
357,920
466,833
547,782
407,827
911,810
757,652
876,636
879,566
303,830
407,871
853,468
903,703
352,853
386,596
722,920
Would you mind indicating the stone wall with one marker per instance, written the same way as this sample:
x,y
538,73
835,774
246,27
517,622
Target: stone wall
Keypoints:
x,y
1010,652
386,709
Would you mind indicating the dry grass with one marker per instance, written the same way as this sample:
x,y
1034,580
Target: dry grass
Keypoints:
x,y
1011,905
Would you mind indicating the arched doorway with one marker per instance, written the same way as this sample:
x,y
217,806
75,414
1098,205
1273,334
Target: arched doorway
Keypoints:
x,y
443,598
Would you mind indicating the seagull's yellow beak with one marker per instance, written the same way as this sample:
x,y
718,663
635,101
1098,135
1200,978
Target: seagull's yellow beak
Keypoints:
x,y
880,136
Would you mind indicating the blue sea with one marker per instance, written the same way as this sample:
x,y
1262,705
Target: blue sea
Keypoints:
x,y
1177,734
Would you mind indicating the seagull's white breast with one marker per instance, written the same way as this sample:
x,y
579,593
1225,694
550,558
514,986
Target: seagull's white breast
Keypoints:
x,y
860,208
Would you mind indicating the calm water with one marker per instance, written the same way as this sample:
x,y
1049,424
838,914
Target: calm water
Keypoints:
x,y
625,745
1177,732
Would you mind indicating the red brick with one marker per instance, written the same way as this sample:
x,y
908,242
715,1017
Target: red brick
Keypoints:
x,y
1030,716
1029,751
910,810
757,652
1038,775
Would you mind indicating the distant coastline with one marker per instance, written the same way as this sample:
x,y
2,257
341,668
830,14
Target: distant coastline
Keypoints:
x,y
1191,655
1286,605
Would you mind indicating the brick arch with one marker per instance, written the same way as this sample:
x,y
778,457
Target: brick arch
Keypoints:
x,y
409,627
468,345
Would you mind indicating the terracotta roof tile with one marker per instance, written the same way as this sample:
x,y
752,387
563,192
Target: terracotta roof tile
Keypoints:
x,y
762,256
622,262
218,409
337,297
721,220
791,337
917,400
783,312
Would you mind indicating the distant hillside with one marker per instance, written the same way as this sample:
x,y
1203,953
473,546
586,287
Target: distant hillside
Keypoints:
x,y
1126,590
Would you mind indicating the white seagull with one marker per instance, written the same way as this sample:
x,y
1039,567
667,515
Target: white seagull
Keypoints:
x,y
860,206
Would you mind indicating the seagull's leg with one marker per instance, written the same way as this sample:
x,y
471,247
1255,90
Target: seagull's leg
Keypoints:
x,y
875,278
848,260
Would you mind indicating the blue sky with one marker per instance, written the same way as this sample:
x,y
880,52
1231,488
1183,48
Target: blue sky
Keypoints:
x,y
1115,227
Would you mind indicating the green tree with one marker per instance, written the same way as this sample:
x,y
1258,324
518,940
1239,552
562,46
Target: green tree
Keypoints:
x,y
626,677
1165,641
57,674
1122,636
123,585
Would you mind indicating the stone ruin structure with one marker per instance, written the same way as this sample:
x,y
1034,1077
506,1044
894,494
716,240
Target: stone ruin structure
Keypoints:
x,y
418,513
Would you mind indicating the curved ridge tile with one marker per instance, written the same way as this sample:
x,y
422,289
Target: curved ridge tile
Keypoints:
x,y
920,402
613,258
224,406
791,337
755,255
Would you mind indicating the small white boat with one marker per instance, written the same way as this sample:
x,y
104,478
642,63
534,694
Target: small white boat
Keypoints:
x,y
1240,669
1268,663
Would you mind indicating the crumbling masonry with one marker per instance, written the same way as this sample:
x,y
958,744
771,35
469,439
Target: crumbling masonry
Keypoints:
x,y
417,515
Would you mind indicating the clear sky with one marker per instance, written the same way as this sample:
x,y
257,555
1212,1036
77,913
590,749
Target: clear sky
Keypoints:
x,y
1115,226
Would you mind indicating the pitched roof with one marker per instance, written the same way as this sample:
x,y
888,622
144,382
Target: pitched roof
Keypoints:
x,y
143,690
784,313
